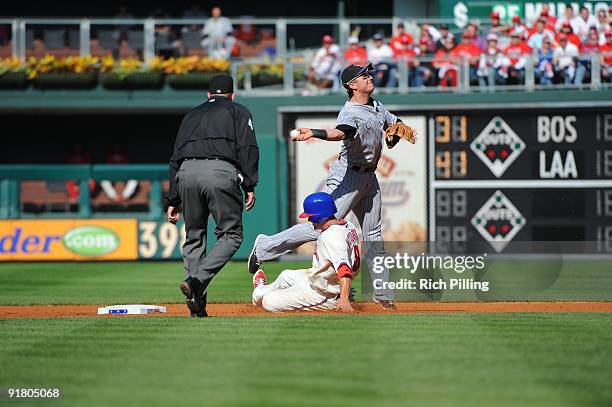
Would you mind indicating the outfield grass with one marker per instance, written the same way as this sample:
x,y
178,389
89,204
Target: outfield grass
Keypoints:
x,y
113,283
157,282
343,360
363,360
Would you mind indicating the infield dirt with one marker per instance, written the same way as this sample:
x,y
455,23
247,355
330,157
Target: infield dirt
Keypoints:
x,y
247,310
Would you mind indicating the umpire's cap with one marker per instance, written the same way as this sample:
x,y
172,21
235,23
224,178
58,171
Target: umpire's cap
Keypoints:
x,y
221,84
319,207
353,71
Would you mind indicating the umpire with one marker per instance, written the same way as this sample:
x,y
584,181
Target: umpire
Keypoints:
x,y
215,154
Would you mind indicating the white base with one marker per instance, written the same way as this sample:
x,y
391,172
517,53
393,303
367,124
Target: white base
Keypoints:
x,y
131,309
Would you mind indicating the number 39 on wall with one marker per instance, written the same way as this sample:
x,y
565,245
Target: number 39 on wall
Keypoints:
x,y
160,240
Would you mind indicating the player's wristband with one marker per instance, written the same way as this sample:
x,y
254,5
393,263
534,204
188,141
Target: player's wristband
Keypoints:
x,y
319,133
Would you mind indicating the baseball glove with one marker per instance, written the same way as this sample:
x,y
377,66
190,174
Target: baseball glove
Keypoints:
x,y
398,131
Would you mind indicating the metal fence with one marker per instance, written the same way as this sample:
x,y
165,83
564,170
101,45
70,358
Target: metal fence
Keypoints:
x,y
145,34
292,44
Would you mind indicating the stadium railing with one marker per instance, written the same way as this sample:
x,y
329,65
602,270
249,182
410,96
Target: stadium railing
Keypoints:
x,y
46,185
22,29
291,50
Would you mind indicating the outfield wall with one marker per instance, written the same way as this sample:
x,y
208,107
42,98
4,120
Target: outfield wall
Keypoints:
x,y
90,239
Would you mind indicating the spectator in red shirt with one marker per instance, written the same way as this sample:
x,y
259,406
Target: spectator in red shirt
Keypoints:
x,y
590,49
446,64
401,41
605,57
517,52
355,54
591,43
550,20
246,32
407,54
470,51
566,28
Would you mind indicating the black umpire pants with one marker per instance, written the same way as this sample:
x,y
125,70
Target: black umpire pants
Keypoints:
x,y
209,187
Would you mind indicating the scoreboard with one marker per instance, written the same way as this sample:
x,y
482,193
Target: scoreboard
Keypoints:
x,y
503,174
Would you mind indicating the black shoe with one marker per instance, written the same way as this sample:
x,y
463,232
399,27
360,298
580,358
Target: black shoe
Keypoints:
x,y
253,263
192,290
202,314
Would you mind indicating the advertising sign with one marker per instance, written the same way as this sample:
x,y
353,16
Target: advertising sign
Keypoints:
x,y
68,239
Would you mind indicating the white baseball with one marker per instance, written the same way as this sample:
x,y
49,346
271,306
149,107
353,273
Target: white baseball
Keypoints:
x,y
294,133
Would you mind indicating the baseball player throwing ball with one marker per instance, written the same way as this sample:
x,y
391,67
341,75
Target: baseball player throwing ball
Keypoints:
x,y
327,284
362,124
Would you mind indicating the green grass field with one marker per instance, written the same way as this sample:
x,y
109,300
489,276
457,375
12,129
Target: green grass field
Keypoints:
x,y
441,359
136,282
112,283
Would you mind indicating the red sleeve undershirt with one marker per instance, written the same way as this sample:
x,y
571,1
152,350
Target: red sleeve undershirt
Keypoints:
x,y
344,271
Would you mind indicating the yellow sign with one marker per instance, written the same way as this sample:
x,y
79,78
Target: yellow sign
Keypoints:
x,y
69,239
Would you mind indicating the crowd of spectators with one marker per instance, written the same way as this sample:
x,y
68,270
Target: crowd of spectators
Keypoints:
x,y
213,36
217,37
560,51
557,50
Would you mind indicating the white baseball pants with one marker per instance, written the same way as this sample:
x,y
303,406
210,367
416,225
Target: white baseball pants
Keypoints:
x,y
291,291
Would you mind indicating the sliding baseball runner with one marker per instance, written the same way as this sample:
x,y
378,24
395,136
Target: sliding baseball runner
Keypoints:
x,y
362,124
335,262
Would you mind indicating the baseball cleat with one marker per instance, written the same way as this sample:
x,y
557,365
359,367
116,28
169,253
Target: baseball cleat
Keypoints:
x,y
203,313
253,263
193,297
259,278
387,305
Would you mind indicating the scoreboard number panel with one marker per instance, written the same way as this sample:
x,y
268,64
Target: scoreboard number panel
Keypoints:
x,y
499,175
523,145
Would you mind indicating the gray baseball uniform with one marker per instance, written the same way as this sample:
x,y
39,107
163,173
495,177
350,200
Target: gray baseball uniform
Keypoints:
x,y
354,186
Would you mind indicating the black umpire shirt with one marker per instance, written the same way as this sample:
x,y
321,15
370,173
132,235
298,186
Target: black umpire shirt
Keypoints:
x,y
217,129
